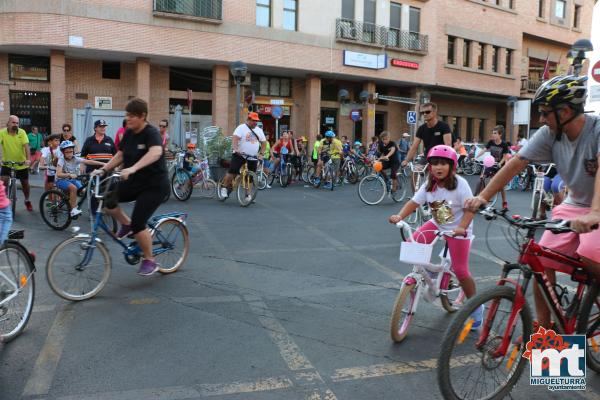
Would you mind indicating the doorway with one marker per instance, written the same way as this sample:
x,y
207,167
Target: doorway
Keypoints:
x,y
380,119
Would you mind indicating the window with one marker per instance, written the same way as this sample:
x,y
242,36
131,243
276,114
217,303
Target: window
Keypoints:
x,y
576,16
495,55
263,13
540,8
414,20
470,122
29,68
559,9
329,92
508,61
290,22
111,70
451,49
271,86
370,11
212,9
188,78
348,9
481,57
199,107
511,4
466,53
395,15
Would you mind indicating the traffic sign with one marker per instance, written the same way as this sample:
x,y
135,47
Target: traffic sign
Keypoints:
x,y
355,115
277,112
411,117
596,72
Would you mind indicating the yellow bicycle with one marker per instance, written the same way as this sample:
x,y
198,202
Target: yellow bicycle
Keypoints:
x,y
244,184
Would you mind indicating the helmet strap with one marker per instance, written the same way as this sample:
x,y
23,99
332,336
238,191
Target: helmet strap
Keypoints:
x,y
561,125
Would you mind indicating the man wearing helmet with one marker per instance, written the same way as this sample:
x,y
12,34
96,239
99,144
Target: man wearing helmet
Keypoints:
x,y
67,169
329,148
571,140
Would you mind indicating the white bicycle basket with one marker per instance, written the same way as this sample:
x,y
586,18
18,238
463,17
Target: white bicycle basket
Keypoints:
x,y
415,253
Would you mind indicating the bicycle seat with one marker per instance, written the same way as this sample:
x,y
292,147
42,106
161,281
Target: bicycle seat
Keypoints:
x,y
16,234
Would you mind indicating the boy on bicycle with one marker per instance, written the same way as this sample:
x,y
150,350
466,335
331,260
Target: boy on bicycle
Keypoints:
x,y
571,140
67,170
190,163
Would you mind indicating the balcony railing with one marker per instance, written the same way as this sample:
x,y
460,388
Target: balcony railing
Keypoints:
x,y
529,85
210,9
363,32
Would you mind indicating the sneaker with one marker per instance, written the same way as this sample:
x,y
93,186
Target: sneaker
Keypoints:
x,y
147,268
268,186
477,315
317,181
124,231
75,212
327,185
28,205
224,193
248,199
505,205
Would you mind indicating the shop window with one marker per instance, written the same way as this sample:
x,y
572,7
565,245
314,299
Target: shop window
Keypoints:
x,y
111,70
329,92
29,68
290,13
451,49
187,78
271,86
263,13
199,107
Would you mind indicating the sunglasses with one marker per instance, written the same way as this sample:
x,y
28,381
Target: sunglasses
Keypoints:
x,y
426,112
162,126
66,130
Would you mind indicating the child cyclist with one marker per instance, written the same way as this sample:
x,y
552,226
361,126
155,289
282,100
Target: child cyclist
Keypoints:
x,y
50,155
446,192
189,160
67,170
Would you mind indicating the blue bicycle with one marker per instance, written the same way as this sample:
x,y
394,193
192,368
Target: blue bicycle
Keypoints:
x,y
78,268
284,169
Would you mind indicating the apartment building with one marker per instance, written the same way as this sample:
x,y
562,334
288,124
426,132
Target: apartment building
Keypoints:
x,y
355,65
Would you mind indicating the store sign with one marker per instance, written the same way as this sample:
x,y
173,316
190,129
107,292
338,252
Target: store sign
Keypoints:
x,y
267,109
277,102
76,41
404,64
364,60
329,120
104,103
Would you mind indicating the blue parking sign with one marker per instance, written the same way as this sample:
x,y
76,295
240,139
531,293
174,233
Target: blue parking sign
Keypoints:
x,y
411,117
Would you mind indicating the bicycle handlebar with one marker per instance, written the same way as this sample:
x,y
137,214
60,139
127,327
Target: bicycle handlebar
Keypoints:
x,y
98,182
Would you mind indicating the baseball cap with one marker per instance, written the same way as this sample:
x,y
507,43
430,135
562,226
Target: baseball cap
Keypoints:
x,y
253,116
405,134
100,122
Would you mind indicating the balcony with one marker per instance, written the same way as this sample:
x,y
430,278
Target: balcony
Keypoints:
x,y
206,10
380,36
529,85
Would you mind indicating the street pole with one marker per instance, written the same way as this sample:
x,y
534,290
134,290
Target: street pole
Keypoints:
x,y
237,101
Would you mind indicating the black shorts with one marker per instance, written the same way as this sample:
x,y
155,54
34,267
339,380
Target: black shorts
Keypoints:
x,y
21,174
237,161
394,166
314,160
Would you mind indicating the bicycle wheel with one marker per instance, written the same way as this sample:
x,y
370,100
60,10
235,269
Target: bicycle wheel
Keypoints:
x,y
400,192
415,219
55,209
171,244
261,183
535,204
523,180
403,312
468,366
246,190
468,168
452,294
181,184
207,188
219,187
17,290
371,189
77,272
589,324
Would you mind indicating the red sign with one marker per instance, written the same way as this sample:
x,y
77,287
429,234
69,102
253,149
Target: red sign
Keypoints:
x,y
404,64
189,99
596,72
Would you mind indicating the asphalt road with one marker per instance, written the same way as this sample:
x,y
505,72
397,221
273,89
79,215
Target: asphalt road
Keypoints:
x,y
287,299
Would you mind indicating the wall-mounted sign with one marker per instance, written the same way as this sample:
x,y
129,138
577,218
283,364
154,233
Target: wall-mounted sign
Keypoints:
x,y
277,102
404,64
103,102
356,115
277,112
76,41
596,72
266,109
364,60
329,120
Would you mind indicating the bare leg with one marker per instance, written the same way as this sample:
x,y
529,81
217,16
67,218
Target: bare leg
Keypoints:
x,y
26,190
119,215
73,195
541,308
468,286
144,240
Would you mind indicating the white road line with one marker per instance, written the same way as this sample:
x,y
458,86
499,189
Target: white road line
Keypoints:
x,y
42,375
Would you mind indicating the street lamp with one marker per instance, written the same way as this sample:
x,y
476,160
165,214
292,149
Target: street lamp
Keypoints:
x,y
576,55
238,70
425,97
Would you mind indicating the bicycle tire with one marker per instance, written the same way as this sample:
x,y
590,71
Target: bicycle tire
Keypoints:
x,y
219,187
523,181
262,180
80,245
400,192
401,319
329,174
458,330
537,198
13,198
452,294
52,210
242,192
352,175
590,326
363,189
12,324
208,188
415,219
287,178
181,184
468,168
169,230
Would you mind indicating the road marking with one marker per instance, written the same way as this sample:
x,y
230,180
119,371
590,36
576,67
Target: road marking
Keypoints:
x,y
207,299
142,301
487,256
189,392
45,366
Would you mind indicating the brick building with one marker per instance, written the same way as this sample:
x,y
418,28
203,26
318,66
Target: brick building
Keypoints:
x,y
468,56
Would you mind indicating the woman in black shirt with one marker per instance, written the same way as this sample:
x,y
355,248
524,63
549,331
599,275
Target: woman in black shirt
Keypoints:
x,y
143,179
388,156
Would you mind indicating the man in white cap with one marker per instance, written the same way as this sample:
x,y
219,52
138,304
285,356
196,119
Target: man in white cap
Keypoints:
x,y
403,146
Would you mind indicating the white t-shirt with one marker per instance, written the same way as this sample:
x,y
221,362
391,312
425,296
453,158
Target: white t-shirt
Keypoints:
x,y
249,144
446,206
51,160
71,166
522,142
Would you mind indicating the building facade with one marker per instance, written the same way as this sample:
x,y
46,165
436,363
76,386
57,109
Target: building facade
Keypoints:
x,y
322,62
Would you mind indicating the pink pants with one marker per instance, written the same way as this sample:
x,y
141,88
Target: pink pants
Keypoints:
x,y
458,247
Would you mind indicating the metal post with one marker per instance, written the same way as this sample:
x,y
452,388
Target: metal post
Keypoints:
x,y
237,101
276,128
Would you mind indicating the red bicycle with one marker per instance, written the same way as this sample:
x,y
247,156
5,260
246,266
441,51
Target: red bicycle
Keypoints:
x,y
486,363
